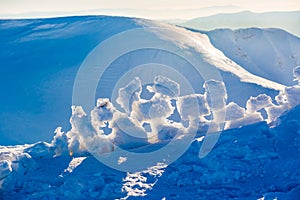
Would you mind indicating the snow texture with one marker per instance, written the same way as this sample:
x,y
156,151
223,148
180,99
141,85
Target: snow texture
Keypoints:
x,y
28,43
232,170
257,155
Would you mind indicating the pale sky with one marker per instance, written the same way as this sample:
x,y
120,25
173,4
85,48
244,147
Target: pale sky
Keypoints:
x,y
155,9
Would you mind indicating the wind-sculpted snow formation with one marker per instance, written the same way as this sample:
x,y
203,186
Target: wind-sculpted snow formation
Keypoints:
x,y
148,121
65,169
128,127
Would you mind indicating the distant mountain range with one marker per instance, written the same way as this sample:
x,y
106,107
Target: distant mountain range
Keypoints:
x,y
289,21
182,14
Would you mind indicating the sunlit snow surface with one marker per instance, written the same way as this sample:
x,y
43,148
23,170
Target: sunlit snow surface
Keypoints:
x,y
253,161
257,155
247,163
40,58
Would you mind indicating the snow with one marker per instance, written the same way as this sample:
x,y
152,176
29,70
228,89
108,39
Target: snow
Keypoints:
x,y
211,142
186,39
166,86
232,170
234,111
127,127
70,40
75,162
296,73
260,51
128,93
127,131
187,108
257,103
59,142
5,168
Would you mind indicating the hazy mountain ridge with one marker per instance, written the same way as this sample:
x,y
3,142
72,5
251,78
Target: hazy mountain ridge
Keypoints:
x,y
289,21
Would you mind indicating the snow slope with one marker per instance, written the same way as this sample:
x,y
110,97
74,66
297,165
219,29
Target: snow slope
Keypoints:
x,y
43,55
247,163
260,51
40,59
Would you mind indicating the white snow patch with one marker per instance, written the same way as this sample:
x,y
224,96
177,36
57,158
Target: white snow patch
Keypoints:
x,y
122,160
75,162
136,184
198,43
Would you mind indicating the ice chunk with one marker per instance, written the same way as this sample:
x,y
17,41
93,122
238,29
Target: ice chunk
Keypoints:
x,y
246,120
157,107
75,162
166,86
101,114
234,111
194,106
257,103
59,142
122,160
39,149
161,108
127,134
129,93
215,94
99,144
293,95
274,112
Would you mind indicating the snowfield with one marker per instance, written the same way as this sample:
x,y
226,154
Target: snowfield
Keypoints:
x,y
251,162
260,51
235,136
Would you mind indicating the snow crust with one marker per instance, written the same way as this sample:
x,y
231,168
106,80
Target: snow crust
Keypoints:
x,y
242,158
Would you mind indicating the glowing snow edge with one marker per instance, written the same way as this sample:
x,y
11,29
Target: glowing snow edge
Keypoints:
x,y
87,129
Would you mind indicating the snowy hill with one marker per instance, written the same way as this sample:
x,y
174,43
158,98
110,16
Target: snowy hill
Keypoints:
x,y
40,59
158,111
289,21
260,51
